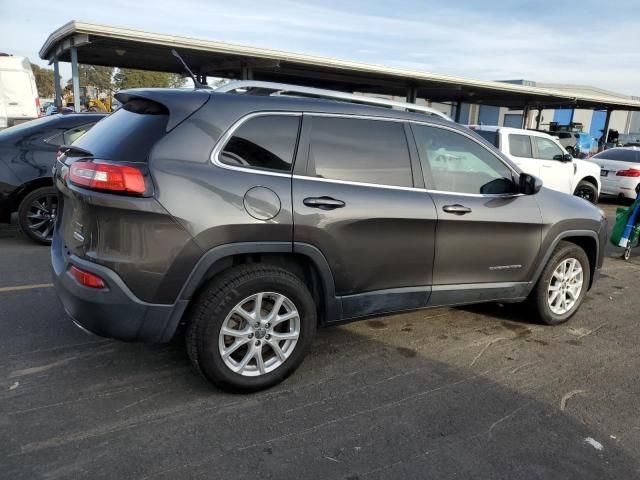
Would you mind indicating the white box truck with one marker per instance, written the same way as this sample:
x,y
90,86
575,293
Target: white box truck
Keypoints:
x,y
19,100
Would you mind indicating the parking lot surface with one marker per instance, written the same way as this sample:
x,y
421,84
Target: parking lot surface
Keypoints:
x,y
448,393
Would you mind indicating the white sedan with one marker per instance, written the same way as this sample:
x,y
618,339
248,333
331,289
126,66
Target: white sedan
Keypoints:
x,y
619,171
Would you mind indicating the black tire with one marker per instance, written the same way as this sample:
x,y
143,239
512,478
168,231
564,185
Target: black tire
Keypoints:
x,y
210,309
36,214
538,298
588,191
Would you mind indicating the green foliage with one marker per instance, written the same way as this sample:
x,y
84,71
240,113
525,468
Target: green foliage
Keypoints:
x,y
44,81
130,78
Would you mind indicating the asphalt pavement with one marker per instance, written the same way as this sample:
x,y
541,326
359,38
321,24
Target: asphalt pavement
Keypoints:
x,y
473,393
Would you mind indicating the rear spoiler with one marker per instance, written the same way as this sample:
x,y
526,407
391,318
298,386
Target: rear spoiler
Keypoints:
x,y
64,149
180,103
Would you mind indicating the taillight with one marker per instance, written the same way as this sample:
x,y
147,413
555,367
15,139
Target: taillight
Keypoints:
x,y
107,176
86,278
630,172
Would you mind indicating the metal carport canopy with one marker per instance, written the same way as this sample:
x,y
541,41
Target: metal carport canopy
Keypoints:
x,y
122,47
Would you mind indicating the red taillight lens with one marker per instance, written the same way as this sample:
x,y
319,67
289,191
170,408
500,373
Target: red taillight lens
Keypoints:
x,y
85,278
630,172
106,176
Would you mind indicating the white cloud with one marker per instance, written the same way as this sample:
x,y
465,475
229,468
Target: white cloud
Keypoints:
x,y
502,40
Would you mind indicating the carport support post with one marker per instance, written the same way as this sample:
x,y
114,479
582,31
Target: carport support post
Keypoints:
x,y
458,109
412,94
56,81
539,119
75,79
605,132
525,116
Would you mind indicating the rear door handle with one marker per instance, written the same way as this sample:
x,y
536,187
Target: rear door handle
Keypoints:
x,y
323,203
456,209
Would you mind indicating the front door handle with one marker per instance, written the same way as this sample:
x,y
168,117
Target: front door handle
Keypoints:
x,y
456,209
323,203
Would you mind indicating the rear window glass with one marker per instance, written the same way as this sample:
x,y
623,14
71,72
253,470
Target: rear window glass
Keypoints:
x,y
264,142
125,135
621,155
520,146
489,136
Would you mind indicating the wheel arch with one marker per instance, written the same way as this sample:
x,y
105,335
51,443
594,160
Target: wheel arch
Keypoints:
x,y
25,189
303,260
585,239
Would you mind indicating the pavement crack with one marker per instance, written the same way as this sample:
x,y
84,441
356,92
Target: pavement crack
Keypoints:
x,y
486,347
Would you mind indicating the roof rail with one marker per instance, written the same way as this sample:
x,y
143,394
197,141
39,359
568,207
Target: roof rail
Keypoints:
x,y
283,88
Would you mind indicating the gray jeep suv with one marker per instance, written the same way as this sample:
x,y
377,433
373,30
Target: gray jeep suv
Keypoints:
x,y
257,213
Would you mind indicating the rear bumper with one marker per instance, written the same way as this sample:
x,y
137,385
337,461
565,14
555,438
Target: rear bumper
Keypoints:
x,y
114,311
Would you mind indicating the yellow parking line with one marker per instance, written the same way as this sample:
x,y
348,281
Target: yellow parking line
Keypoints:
x,y
25,287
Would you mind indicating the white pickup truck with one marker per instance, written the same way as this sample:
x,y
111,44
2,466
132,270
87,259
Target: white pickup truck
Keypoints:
x,y
542,155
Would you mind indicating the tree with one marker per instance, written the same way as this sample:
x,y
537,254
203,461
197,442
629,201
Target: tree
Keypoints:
x,y
130,78
94,76
44,81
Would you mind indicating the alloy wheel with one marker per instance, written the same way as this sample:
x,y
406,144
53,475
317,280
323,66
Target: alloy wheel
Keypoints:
x,y
565,286
259,334
41,216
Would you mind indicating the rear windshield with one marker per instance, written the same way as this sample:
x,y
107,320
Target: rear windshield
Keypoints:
x,y
489,136
620,154
128,134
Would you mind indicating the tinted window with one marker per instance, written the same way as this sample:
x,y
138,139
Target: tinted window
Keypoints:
x,y
266,142
491,137
547,150
126,135
520,145
369,151
620,155
458,164
73,134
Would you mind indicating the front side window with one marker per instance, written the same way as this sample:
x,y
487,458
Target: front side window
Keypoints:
x,y
357,150
458,164
266,142
520,145
547,150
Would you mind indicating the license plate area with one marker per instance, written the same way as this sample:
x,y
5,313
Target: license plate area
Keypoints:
x,y
604,173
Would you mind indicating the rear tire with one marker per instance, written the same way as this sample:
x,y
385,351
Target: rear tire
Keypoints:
x,y
37,214
549,309
254,332
588,191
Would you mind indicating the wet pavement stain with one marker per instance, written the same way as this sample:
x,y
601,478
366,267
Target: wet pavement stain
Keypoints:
x,y
519,330
376,324
407,352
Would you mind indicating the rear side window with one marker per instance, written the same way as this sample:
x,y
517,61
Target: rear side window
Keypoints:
x,y
520,145
128,134
547,150
266,142
456,163
357,150
620,155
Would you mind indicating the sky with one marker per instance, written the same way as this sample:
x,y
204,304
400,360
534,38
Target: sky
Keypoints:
x,y
588,42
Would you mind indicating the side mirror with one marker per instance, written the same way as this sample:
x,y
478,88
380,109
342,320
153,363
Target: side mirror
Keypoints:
x,y
563,158
529,184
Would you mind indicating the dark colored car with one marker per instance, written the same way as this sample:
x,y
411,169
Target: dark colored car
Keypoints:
x,y
254,218
27,155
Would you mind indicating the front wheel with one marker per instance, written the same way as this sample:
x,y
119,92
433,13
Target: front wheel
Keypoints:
x,y
251,327
588,191
562,284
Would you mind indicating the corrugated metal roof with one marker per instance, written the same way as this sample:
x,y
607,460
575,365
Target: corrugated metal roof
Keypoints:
x,y
100,46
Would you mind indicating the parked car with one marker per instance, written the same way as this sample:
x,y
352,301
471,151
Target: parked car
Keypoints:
x,y
542,155
619,171
254,219
27,155
18,89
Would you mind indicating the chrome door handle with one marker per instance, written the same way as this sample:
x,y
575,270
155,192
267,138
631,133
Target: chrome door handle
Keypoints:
x,y
323,203
456,209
